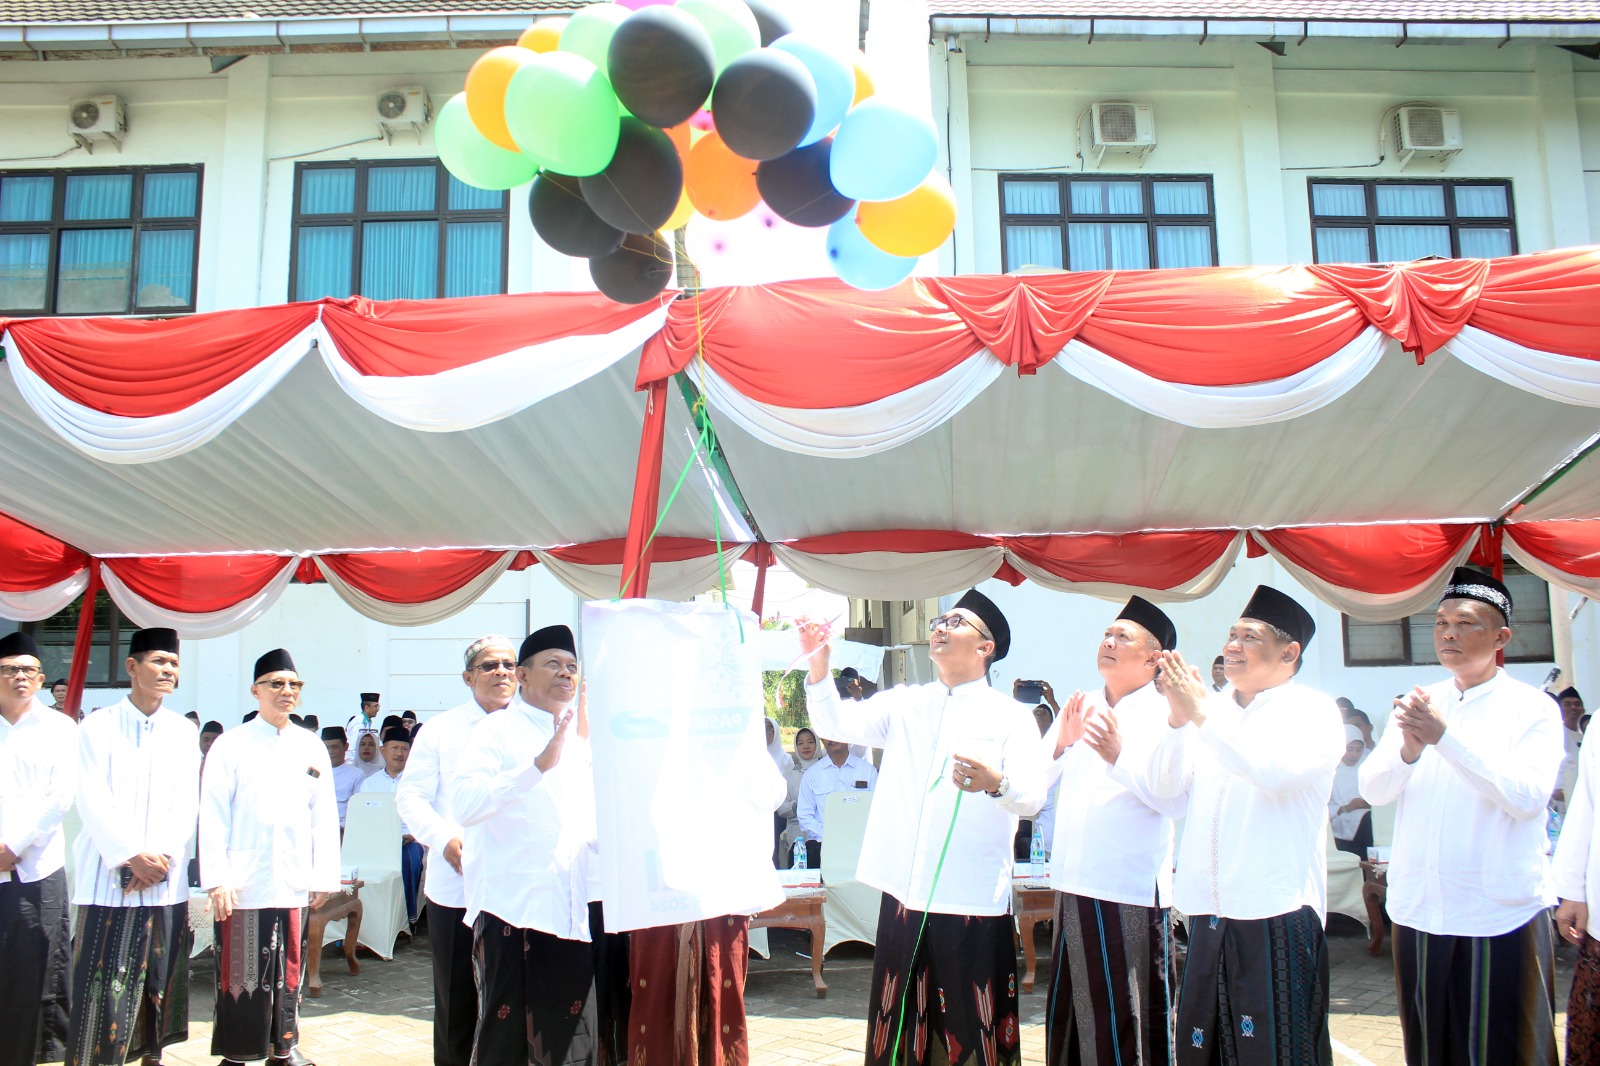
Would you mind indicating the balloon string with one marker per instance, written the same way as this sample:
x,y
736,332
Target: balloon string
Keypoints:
x,y
905,992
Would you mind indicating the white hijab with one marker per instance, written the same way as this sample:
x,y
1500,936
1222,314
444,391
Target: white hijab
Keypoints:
x,y
780,758
805,764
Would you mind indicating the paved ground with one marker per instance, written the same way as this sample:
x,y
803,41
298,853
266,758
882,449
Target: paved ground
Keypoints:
x,y
382,1017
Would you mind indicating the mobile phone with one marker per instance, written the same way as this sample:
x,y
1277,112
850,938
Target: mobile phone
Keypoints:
x,y
1029,692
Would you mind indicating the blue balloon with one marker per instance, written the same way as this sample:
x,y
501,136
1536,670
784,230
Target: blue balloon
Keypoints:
x,y
861,263
835,78
882,151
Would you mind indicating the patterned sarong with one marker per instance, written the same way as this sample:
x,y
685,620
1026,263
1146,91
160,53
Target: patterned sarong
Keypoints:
x,y
1113,985
1583,1007
536,997
687,983
35,956
259,956
130,983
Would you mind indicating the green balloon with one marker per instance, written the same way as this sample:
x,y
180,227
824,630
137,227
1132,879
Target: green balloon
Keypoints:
x,y
588,33
731,24
560,109
471,156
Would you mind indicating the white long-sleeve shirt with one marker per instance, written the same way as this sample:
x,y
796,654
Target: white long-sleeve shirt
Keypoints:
x,y
1575,868
38,776
1113,837
529,850
347,778
919,728
1346,787
1257,781
138,792
269,825
426,796
382,782
1469,825
824,777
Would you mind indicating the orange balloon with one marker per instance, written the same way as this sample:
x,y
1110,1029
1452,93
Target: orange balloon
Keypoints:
x,y
864,86
680,214
486,91
913,225
543,35
721,185
680,139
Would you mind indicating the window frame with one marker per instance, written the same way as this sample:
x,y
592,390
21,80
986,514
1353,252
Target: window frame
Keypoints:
x,y
1371,220
1064,217
1409,651
135,221
442,214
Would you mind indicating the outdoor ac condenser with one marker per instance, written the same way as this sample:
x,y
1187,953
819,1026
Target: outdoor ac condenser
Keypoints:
x,y
404,108
1422,131
1117,125
97,118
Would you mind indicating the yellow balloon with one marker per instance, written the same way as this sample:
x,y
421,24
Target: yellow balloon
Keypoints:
x,y
864,86
913,225
680,214
543,35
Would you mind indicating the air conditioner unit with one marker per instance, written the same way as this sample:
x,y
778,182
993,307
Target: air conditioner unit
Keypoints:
x,y
402,108
1117,125
1422,131
98,118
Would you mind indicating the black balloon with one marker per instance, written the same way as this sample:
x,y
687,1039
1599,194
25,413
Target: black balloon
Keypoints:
x,y
798,189
565,222
769,20
662,64
764,103
637,271
641,186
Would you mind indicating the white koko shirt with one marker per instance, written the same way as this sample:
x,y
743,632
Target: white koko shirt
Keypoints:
x,y
824,777
1575,869
38,776
425,796
347,778
1469,827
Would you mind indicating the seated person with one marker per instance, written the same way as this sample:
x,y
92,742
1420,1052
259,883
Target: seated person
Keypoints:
x,y
347,776
1349,814
368,759
1044,716
839,770
396,747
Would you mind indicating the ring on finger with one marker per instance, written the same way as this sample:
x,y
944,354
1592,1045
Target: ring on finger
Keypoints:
x,y
967,781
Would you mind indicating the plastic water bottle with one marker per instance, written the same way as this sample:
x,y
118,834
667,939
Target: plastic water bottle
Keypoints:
x,y
1036,854
1552,827
799,853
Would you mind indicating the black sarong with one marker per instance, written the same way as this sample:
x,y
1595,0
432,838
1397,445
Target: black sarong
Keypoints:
x,y
612,989
958,988
1255,992
455,992
1478,999
1113,984
130,983
259,956
536,997
35,958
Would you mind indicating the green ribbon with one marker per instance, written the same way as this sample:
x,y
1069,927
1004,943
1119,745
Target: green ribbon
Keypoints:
x,y
905,993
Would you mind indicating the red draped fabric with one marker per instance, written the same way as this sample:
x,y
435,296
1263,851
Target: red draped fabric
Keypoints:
x,y
197,584
1156,560
612,552
1382,560
1421,305
1544,301
1571,547
410,577
31,560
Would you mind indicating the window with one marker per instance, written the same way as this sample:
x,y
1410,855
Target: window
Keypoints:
x,y
1409,641
1122,223
101,241
394,231
108,649
1397,221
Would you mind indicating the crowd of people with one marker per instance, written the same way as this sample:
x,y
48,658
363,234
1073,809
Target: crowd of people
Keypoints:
x,y
497,801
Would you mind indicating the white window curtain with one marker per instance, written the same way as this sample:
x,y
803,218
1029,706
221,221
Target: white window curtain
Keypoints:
x,y
1339,201
1410,201
1033,246
400,260
1183,246
1179,198
1108,246
1107,198
1032,198
1482,201
1483,243
402,188
1399,244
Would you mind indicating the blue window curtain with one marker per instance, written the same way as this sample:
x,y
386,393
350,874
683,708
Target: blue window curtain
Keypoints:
x,y
1183,246
1107,198
402,189
1032,198
1033,246
328,191
1108,245
98,196
1343,244
1399,244
1482,201
24,257
1410,201
400,260
472,258
95,272
166,268
170,195
1339,201
1483,243
1180,198
324,259
26,199
463,197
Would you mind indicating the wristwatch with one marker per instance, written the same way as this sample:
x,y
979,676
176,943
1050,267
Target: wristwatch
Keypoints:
x,y
1005,787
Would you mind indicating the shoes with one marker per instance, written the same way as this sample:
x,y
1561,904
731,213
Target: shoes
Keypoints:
x,y
294,1058
230,1062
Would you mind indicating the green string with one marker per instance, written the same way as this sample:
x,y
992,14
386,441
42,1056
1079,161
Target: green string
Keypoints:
x,y
673,495
905,993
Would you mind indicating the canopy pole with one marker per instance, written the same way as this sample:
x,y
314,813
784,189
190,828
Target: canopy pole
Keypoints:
x,y
637,549
1497,559
763,561
79,671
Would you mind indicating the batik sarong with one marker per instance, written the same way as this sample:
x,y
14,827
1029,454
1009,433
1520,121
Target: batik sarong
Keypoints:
x,y
536,997
35,964
259,970
1583,1007
130,983
687,984
1113,985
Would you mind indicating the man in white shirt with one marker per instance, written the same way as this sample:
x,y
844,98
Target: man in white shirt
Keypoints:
x,y
840,770
961,762
396,750
1571,713
1575,870
1113,972
1471,762
38,773
269,851
1255,762
426,802
365,721
138,796
347,776
525,796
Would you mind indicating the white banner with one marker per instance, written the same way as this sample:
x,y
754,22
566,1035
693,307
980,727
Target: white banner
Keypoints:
x,y
684,787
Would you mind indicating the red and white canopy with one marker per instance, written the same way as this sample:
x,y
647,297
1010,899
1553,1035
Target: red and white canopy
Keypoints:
x,y
1369,426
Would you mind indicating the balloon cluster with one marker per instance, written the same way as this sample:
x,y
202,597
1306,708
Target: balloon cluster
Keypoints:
x,y
632,118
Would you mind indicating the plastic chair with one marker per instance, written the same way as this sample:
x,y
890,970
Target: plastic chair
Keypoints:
x,y
372,846
851,908
1344,883
1383,825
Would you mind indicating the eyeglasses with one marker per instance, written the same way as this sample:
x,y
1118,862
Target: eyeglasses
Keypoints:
x,y
956,621
20,671
278,684
495,665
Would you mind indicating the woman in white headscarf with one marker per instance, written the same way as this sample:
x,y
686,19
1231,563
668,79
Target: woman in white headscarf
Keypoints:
x,y
1348,814
806,753
367,755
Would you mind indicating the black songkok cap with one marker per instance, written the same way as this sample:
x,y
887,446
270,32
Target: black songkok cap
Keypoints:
x,y
1469,584
369,697
154,640
312,722
275,660
335,732
412,715
1570,693
295,719
545,639
396,732
18,644
211,727
1274,608
251,715
992,620
390,721
1142,612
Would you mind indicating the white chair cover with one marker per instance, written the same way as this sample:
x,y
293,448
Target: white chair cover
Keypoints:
x,y
1383,825
1344,884
372,845
851,908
